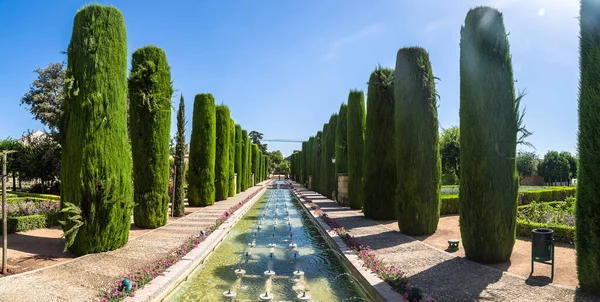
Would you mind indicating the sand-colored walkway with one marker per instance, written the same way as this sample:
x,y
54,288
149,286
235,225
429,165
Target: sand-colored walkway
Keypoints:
x,y
441,275
86,278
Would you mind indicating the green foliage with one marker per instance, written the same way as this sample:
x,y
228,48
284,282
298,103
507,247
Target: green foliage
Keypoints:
x,y
245,147
35,195
232,147
178,203
356,123
31,222
45,97
341,141
526,163
450,150
545,195
96,159
201,191
556,212
379,155
418,163
150,94
309,158
71,224
588,193
316,164
562,233
330,172
554,167
325,162
449,179
488,177
572,163
449,204
239,147
255,162
222,153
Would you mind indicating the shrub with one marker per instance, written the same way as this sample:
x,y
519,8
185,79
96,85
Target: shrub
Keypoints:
x,y
31,222
557,193
201,191
356,123
96,164
449,204
33,195
588,194
379,155
222,153
489,121
150,94
418,162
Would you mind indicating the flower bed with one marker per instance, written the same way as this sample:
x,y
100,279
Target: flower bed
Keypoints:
x,y
558,216
143,276
26,214
389,273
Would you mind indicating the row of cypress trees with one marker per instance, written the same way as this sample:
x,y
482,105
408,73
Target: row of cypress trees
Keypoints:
x,y
99,165
396,172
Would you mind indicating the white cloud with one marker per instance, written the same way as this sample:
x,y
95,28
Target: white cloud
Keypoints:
x,y
338,45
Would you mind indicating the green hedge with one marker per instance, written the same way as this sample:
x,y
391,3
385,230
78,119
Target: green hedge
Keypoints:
x,y
559,194
31,222
562,233
33,195
450,204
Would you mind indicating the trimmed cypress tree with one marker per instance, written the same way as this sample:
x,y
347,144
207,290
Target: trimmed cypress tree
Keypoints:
x,y
325,162
488,139
150,94
245,168
222,153
356,124
309,159
379,157
96,156
239,147
331,176
587,208
317,162
418,161
341,141
178,205
232,146
255,162
303,169
201,189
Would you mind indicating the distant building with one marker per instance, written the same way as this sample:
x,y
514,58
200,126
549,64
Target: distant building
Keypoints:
x,y
27,139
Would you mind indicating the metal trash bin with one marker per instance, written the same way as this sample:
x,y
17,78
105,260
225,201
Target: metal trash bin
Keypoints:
x,y
542,247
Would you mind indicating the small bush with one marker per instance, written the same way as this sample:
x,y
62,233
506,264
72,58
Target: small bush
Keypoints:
x,y
449,204
35,195
562,233
31,222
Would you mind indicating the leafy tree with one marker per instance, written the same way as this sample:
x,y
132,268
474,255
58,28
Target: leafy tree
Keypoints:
x,y
255,137
178,203
418,163
450,150
46,96
554,167
356,123
572,163
490,122
14,163
37,158
201,189
150,94
96,160
222,153
380,157
527,163
587,207
275,159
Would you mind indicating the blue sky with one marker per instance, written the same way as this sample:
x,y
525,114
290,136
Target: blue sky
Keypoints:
x,y
283,67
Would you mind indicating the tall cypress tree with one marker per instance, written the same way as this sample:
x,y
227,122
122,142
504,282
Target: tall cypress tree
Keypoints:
x,y
331,176
588,188
356,123
245,168
325,162
488,139
255,162
201,189
317,149
178,203
150,94
96,156
222,153
341,144
309,159
417,143
232,146
239,147
379,160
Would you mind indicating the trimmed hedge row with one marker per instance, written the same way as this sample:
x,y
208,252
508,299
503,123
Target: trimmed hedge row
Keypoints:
x,y
34,195
562,233
32,222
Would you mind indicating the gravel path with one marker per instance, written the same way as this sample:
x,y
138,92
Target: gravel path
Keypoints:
x,y
441,275
86,278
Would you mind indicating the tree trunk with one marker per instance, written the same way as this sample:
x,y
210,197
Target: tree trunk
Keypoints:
x,y
14,187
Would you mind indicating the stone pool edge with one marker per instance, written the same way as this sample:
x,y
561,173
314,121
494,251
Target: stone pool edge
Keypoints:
x,y
375,286
162,286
